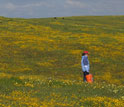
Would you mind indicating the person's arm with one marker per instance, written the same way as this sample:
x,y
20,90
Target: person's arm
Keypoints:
x,y
85,61
86,64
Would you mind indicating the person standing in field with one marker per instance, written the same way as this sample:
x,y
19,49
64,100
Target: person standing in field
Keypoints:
x,y
85,64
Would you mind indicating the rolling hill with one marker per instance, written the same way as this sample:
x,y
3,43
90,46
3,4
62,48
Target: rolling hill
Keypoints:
x,y
40,61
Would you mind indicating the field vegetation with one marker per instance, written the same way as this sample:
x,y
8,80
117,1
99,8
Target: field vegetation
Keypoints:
x,y
40,61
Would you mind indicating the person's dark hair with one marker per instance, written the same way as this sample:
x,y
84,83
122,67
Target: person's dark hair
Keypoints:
x,y
83,54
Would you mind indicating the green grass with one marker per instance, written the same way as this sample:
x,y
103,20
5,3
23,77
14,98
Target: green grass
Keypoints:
x,y
40,61
60,91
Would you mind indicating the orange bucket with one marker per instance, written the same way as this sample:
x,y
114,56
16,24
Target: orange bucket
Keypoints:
x,y
89,78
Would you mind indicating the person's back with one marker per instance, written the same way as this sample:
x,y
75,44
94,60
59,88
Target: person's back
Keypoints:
x,y
85,64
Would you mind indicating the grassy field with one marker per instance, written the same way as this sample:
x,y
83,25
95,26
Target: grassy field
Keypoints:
x,y
40,61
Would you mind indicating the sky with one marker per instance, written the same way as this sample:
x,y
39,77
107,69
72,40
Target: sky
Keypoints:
x,y
60,8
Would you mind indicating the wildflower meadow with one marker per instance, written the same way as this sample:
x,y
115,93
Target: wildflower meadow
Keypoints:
x,y
40,61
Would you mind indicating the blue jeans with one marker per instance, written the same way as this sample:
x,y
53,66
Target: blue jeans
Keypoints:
x,y
85,73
